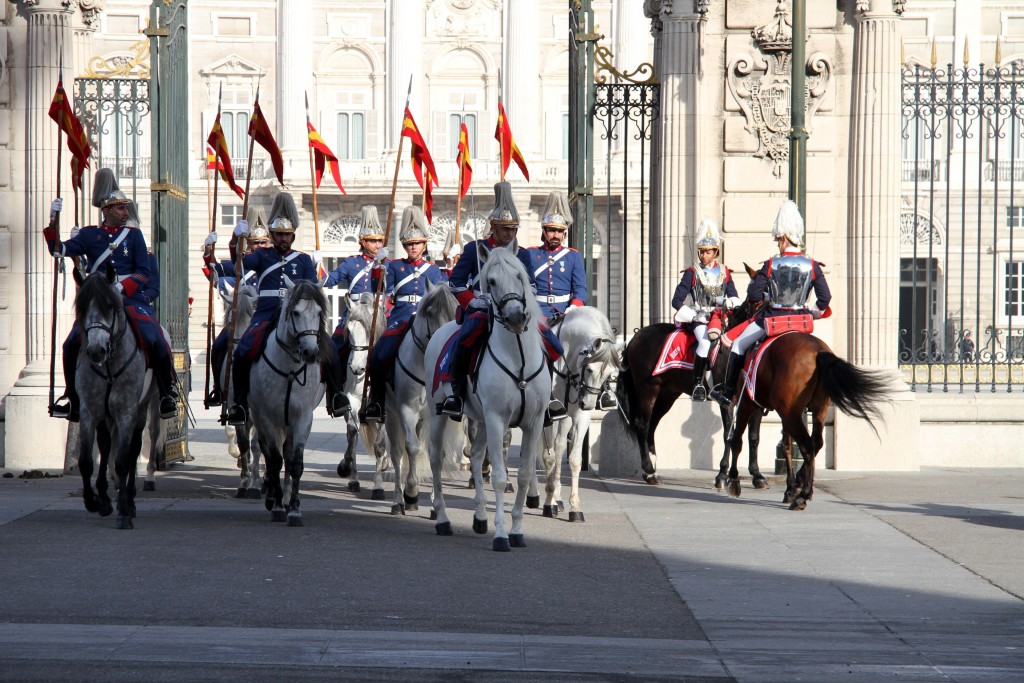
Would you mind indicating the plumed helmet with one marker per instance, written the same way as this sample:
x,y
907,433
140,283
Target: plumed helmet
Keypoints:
x,y
414,226
504,212
556,211
258,229
284,217
114,198
104,184
133,215
789,223
708,236
369,224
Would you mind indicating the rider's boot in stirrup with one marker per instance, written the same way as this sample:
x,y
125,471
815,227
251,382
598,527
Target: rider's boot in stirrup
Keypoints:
x,y
337,402
239,412
700,392
723,393
67,405
166,381
453,405
374,410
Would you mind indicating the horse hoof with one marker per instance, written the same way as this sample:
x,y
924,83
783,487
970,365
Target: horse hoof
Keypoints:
x,y
92,505
295,520
720,482
377,494
561,506
652,479
798,504
479,526
253,493
444,529
411,502
734,488
501,545
241,493
149,486
533,502
517,540
268,503
433,514
472,483
125,522
397,509
787,497
344,469
106,509
509,488
760,483
278,515
576,517
550,511
353,487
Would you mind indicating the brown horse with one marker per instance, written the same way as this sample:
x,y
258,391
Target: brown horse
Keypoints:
x,y
645,398
799,371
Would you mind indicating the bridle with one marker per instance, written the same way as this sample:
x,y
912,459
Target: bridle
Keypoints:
x,y
114,339
298,375
499,310
498,313
575,380
421,344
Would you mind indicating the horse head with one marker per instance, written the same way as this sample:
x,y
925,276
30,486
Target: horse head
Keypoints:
x,y
504,279
303,321
358,326
593,356
100,314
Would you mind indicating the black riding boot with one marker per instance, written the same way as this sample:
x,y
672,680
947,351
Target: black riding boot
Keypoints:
x,y
166,383
67,406
453,405
700,392
374,410
240,384
723,392
556,409
337,402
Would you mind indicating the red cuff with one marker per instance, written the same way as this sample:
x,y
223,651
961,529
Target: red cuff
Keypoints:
x,y
49,234
465,297
206,271
130,286
576,302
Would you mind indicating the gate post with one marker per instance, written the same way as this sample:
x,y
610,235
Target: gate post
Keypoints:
x,y
581,134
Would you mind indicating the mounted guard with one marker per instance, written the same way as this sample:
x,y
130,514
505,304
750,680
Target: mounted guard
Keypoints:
x,y
784,281
407,281
709,287
557,269
115,243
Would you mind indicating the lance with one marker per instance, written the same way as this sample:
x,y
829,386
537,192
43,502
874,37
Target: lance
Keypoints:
x,y
458,191
211,204
312,181
239,252
387,238
55,226
501,133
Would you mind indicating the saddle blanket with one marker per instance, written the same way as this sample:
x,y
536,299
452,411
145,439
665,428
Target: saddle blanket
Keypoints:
x,y
677,353
754,361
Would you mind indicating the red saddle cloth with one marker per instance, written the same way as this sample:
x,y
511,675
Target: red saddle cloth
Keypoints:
x,y
677,353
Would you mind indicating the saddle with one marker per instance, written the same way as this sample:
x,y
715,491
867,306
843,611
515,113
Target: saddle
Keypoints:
x,y
677,352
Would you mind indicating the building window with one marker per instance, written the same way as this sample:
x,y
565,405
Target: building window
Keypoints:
x,y
351,135
230,214
454,124
236,131
1014,289
1015,216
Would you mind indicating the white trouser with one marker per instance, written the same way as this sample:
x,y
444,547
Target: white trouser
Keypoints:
x,y
751,335
700,332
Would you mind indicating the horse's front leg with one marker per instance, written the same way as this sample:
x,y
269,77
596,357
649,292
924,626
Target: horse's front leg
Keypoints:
x,y
128,442
661,407
234,449
373,435
495,432
736,444
438,427
581,423
527,465
477,460
86,438
722,478
757,479
399,441
549,458
295,464
104,443
275,494
347,466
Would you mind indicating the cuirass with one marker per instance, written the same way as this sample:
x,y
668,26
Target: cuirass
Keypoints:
x,y
709,283
790,281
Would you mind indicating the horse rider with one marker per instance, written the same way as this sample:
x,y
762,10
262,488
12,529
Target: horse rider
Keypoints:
x,y
354,275
223,274
710,288
557,269
275,267
407,281
125,250
785,281
504,220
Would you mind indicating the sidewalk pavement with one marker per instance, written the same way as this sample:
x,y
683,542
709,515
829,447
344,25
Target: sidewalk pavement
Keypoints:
x,y
885,576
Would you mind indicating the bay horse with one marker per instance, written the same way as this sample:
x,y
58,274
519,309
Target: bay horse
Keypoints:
x,y
645,398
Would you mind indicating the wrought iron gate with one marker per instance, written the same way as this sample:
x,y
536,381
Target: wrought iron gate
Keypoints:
x,y
962,262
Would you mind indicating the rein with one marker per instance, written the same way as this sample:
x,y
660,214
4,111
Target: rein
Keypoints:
x,y
421,344
113,341
296,376
520,381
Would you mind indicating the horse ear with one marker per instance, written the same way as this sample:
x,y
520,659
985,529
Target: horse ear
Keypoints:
x,y
750,271
514,246
481,253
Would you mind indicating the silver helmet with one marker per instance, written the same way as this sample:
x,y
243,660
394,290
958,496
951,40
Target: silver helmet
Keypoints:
x,y
556,212
504,212
369,224
414,226
284,217
708,236
133,215
789,223
258,229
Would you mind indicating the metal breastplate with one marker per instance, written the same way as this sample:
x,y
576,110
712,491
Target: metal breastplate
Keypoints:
x,y
790,281
709,283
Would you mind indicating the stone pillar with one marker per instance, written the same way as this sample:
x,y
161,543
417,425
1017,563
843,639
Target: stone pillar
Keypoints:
x,y
404,57
874,245
32,440
294,70
520,76
675,25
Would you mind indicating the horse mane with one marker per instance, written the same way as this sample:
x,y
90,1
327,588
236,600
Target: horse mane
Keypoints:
x,y
99,292
503,257
437,305
361,311
306,290
599,328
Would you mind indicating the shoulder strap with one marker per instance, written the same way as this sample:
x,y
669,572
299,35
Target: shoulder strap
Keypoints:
x,y
548,262
271,269
110,250
415,272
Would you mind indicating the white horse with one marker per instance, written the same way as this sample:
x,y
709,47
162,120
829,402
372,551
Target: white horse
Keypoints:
x,y
591,360
285,388
243,442
512,389
357,326
407,399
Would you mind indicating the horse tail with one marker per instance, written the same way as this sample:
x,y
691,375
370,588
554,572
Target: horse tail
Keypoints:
x,y
853,389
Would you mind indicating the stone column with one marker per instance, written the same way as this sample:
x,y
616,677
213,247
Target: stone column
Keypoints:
x,y
294,70
404,57
873,238
520,75
675,26
31,438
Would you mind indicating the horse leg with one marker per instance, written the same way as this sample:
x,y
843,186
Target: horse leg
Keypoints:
x,y
506,443
435,453
661,407
347,466
124,465
296,465
791,480
105,446
275,494
549,458
527,468
581,423
722,478
257,483
736,444
86,438
233,446
757,479
495,432
795,427
400,442
374,439
477,460
241,440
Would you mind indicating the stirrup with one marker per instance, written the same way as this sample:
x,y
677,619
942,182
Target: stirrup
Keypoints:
x,y
607,401
214,398
699,393
338,405
557,411
168,406
238,415
452,407
718,394
64,410
374,412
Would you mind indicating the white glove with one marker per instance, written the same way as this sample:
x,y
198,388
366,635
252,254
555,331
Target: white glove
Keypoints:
x,y
718,300
733,302
480,303
241,228
454,251
382,254
318,258
816,312
119,287
685,314
74,232
210,240
701,318
55,206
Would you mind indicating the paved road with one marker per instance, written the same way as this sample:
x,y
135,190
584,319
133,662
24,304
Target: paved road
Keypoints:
x,y
911,577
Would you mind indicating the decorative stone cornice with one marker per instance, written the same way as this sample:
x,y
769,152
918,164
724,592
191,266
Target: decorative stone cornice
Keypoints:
x,y
777,34
896,6
91,10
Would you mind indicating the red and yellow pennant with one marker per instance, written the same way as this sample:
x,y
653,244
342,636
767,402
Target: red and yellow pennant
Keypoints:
x,y
219,143
212,163
465,163
78,142
260,132
509,150
420,154
323,156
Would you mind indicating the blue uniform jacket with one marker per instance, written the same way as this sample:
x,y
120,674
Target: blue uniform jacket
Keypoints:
x,y
406,280
353,274
273,272
561,279
463,278
130,258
